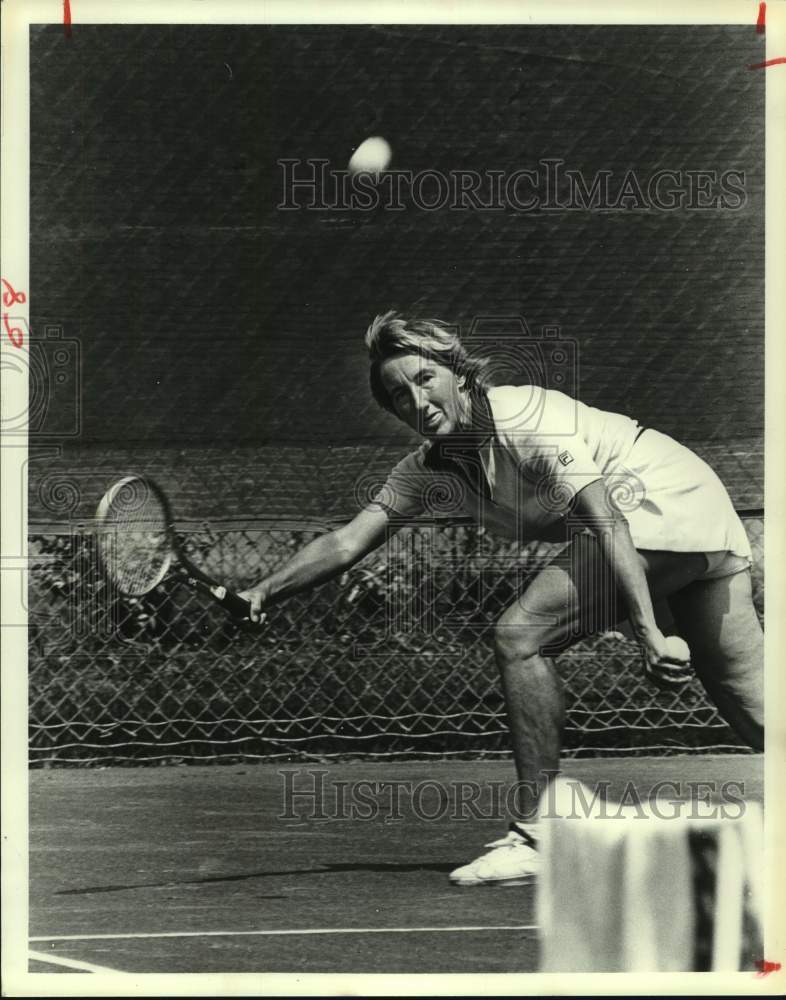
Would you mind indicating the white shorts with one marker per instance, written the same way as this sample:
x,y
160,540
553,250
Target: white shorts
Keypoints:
x,y
720,564
684,505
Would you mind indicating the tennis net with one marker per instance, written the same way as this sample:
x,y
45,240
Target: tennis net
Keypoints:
x,y
394,659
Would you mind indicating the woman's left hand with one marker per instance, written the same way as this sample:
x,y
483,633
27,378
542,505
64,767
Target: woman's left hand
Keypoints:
x,y
667,661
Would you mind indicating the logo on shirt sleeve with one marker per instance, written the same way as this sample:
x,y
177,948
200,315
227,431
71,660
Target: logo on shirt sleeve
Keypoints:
x,y
565,457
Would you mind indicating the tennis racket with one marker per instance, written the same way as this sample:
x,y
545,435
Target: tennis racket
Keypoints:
x,y
139,546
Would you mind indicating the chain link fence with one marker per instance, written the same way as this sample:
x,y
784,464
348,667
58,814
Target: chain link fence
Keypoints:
x,y
395,659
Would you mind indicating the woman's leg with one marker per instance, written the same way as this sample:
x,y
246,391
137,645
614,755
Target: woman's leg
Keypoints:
x,y
571,598
719,622
567,601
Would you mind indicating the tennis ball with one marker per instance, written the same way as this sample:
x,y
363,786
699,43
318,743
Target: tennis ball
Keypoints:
x,y
677,647
371,157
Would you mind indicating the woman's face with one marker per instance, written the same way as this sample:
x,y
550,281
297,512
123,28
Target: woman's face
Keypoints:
x,y
425,394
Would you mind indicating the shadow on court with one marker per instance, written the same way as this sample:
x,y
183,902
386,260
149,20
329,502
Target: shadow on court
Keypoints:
x,y
214,869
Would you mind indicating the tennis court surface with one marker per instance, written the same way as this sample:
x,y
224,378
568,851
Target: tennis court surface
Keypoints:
x,y
217,869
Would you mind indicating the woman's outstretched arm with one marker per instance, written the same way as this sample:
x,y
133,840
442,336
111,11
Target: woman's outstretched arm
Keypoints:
x,y
321,560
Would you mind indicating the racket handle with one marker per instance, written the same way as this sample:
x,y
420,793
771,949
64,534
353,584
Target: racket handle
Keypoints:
x,y
237,606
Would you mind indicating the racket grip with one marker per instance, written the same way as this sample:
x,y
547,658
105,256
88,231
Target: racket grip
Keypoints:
x,y
237,606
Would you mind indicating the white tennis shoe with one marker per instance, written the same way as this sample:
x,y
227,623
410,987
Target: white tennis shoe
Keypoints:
x,y
511,860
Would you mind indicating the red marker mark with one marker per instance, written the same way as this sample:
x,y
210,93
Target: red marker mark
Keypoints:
x,y
765,968
67,17
15,335
760,26
770,62
10,298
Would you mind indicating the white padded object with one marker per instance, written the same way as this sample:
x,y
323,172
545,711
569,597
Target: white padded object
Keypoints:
x,y
624,889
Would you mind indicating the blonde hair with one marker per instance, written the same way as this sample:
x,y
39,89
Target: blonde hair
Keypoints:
x,y
393,333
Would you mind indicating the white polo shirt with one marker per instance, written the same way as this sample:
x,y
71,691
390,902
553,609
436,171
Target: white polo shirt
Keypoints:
x,y
544,448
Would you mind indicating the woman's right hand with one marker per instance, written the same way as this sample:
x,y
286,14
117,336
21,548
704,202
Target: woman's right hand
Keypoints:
x,y
257,597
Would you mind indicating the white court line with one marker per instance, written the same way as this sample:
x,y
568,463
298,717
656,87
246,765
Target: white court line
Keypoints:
x,y
280,933
71,963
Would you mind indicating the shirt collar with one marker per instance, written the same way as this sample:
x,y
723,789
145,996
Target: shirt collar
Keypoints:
x,y
467,440
482,420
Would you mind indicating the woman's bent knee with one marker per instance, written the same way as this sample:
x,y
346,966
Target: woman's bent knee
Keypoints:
x,y
515,643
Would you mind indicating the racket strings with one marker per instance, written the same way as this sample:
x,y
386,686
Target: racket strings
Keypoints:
x,y
134,537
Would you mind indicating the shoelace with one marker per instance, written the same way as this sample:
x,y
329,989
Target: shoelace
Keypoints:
x,y
515,837
507,841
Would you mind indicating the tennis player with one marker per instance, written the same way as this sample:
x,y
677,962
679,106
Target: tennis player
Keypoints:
x,y
636,509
